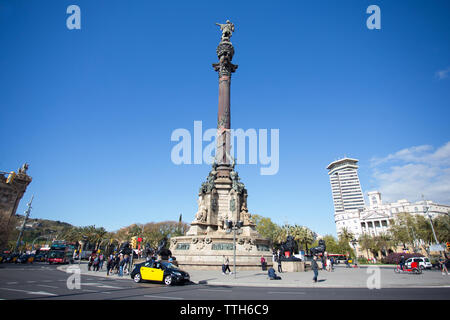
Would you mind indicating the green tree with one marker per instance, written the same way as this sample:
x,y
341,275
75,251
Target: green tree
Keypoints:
x,y
266,228
442,228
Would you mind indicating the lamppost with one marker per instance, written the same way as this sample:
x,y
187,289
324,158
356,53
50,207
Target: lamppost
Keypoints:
x,y
426,211
27,214
82,242
235,227
354,242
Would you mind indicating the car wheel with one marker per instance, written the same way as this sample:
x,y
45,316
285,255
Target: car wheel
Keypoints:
x,y
137,277
168,280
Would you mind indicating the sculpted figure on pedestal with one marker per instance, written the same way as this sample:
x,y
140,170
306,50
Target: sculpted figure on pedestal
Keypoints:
x,y
245,215
23,169
202,214
236,184
227,30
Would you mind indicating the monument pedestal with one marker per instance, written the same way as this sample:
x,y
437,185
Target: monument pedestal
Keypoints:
x,y
293,266
206,252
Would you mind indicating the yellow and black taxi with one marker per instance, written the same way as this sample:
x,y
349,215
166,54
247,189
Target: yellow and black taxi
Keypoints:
x,y
160,271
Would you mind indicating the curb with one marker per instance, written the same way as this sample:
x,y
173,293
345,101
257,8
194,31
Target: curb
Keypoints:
x,y
273,283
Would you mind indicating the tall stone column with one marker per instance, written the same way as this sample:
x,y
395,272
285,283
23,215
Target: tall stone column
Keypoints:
x,y
12,188
225,68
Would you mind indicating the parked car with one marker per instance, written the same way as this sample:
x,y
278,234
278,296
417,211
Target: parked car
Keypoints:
x,y
423,262
159,271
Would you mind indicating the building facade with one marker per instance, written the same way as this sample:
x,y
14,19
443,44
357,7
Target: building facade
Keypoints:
x,y
374,219
350,211
348,198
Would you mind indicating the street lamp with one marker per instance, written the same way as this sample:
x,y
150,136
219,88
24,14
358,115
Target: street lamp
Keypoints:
x,y
82,242
235,227
426,211
354,242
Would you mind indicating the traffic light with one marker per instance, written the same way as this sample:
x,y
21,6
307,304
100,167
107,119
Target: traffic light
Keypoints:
x,y
448,245
133,242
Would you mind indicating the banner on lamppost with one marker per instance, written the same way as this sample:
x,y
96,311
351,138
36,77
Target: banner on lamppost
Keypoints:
x,y
437,247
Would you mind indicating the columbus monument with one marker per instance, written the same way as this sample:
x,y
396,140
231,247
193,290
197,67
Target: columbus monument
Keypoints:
x,y
222,198
12,188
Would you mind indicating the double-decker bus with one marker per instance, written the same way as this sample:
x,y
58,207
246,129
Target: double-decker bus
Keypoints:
x,y
61,252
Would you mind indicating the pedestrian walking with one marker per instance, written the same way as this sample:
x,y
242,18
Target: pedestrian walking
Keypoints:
x,y
347,263
442,262
91,260
328,264
280,270
121,265
226,265
315,268
126,264
96,263
109,265
116,264
102,258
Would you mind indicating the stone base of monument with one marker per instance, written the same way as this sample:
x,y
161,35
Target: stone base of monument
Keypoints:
x,y
293,266
206,252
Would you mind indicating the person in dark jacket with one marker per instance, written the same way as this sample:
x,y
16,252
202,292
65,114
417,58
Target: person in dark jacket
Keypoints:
x,y
273,275
402,262
315,268
110,265
279,264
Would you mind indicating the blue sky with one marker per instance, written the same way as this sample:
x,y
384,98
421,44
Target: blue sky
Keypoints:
x,y
92,110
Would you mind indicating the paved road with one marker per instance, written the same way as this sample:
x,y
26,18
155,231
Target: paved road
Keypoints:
x,y
42,281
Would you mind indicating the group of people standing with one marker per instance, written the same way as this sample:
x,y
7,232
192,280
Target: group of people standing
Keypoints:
x,y
96,261
118,264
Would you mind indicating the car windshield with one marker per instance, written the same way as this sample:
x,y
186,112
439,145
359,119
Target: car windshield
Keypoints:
x,y
169,265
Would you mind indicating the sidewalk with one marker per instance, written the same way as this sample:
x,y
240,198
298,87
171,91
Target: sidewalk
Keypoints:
x,y
341,277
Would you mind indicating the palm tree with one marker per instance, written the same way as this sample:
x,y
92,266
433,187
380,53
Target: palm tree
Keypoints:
x,y
99,233
346,235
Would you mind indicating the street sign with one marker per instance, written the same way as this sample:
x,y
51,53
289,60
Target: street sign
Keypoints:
x,y
437,247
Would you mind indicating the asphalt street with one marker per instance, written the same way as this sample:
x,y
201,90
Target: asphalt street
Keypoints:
x,y
42,281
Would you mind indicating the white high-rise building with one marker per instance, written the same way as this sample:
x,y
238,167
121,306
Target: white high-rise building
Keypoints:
x,y
350,211
347,194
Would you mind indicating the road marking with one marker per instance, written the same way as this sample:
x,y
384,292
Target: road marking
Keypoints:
x,y
12,283
163,297
31,281
30,292
87,290
221,290
109,287
285,292
46,286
